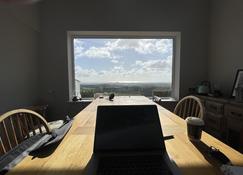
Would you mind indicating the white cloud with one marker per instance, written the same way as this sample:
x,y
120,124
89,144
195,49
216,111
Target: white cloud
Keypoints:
x,y
82,74
78,48
92,52
98,52
164,45
114,61
146,46
118,68
143,71
155,65
122,44
142,46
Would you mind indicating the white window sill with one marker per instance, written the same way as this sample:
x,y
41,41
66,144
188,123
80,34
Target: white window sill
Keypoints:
x,y
164,99
88,100
155,99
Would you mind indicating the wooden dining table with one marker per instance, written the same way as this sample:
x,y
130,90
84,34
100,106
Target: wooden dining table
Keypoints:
x,y
72,155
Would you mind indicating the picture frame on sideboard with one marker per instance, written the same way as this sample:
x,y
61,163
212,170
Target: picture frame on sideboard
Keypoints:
x,y
238,82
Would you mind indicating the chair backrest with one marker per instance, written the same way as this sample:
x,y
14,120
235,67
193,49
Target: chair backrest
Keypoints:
x,y
18,125
189,106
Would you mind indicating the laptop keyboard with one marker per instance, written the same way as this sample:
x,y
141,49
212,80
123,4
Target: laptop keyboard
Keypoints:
x,y
133,165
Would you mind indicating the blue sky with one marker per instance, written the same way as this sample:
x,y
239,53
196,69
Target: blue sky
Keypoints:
x,y
123,60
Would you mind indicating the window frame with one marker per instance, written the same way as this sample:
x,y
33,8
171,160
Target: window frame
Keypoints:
x,y
176,36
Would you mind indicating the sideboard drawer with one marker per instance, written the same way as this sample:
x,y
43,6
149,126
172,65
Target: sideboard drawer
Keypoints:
x,y
234,117
214,121
214,107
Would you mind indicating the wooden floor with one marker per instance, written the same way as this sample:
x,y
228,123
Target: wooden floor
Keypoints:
x,y
74,152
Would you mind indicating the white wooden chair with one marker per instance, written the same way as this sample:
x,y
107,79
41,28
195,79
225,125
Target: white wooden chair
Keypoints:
x,y
18,125
189,106
42,110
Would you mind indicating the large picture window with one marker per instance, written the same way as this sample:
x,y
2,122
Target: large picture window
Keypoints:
x,y
123,64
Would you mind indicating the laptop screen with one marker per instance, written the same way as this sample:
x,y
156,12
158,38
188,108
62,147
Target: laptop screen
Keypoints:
x,y
128,128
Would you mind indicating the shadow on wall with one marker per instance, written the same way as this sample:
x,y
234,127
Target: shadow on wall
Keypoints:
x,y
75,107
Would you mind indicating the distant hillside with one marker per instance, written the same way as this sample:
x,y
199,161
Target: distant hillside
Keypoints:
x,y
146,89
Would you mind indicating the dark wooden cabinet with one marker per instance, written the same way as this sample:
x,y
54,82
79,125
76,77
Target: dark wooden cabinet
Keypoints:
x,y
224,120
234,116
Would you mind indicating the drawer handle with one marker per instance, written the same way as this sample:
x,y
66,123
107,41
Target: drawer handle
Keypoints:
x,y
236,114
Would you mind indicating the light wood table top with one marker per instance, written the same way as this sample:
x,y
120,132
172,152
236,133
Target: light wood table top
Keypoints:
x,y
74,152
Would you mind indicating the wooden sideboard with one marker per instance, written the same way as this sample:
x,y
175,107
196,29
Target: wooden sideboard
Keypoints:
x,y
224,120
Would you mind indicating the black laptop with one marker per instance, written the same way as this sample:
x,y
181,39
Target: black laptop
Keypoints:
x,y
129,141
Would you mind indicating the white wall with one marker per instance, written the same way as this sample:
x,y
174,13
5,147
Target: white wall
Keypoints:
x,y
190,17
20,31
18,56
226,43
